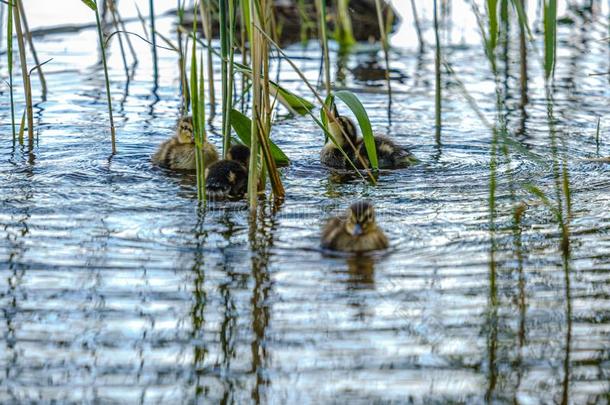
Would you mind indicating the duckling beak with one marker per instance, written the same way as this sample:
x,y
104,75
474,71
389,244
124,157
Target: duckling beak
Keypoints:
x,y
357,230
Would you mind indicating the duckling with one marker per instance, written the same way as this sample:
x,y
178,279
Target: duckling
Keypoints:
x,y
331,155
228,178
178,152
389,154
357,232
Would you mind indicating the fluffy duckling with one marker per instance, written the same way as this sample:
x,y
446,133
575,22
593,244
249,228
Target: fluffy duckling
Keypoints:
x,y
356,233
178,152
331,155
389,154
228,178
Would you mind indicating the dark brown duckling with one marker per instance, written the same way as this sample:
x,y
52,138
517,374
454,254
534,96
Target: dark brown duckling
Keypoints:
x,y
331,155
228,178
178,152
356,232
389,154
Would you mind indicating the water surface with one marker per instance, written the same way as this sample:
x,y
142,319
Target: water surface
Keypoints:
x,y
116,287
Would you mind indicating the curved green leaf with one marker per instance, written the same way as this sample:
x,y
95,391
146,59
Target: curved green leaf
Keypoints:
x,y
357,108
290,100
91,4
242,126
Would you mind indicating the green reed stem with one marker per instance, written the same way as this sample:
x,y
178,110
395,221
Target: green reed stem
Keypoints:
x,y
107,79
28,36
256,59
206,15
344,33
323,34
420,36
550,37
492,12
224,66
184,86
228,100
153,37
523,59
437,70
9,53
385,43
27,87
198,110
597,136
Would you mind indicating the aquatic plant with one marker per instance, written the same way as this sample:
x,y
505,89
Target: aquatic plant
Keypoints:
x,y
92,4
343,30
323,35
227,53
437,76
261,105
550,36
153,37
384,43
27,87
9,55
197,92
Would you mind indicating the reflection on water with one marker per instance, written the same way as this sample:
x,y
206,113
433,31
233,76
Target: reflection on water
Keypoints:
x,y
116,287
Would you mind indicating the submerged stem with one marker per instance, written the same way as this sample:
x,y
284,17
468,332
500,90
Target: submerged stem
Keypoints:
x,y
108,97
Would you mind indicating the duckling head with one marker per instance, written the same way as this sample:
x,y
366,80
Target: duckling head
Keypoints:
x,y
184,132
342,128
239,153
360,218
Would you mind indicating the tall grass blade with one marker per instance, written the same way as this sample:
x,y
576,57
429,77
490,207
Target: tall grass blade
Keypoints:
x,y
518,4
153,37
198,113
550,36
492,12
206,15
28,36
261,106
357,108
257,62
343,31
384,43
523,58
323,35
437,69
420,36
597,130
242,125
93,5
27,88
223,20
9,54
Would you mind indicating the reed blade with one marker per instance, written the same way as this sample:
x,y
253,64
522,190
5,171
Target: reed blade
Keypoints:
x,y
550,37
107,79
9,54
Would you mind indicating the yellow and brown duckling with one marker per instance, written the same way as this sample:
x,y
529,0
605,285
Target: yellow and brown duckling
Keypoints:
x,y
357,232
346,139
178,152
389,154
228,178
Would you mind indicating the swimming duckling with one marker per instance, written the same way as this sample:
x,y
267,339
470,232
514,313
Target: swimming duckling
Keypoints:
x,y
178,152
389,154
331,155
357,232
228,178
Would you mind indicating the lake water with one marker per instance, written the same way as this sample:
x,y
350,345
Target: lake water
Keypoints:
x,y
116,287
